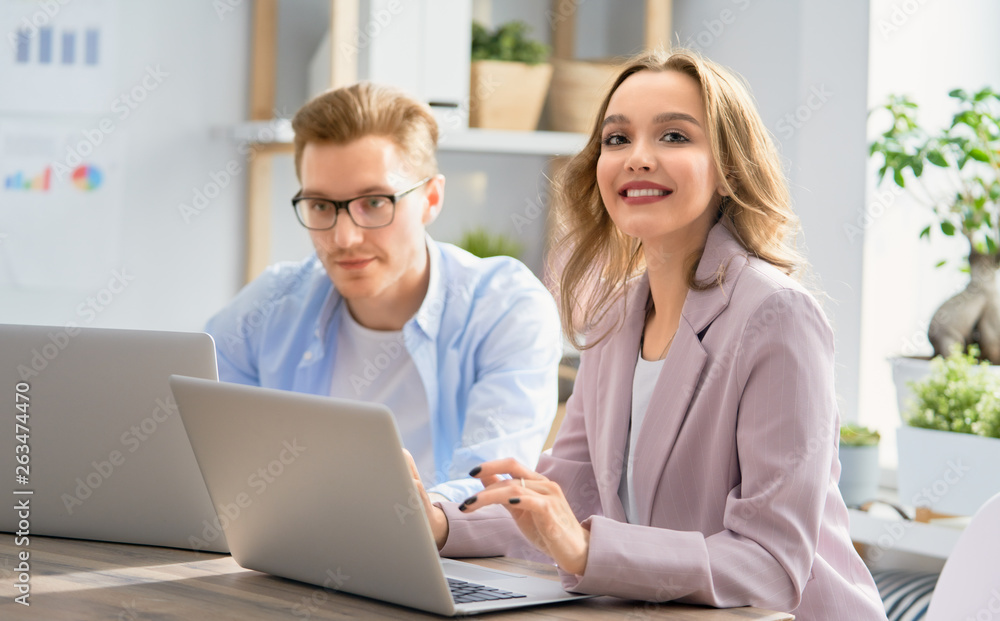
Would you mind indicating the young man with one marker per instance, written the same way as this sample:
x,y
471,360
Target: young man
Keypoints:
x,y
465,351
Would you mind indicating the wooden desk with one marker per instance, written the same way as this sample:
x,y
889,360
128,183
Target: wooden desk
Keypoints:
x,y
81,580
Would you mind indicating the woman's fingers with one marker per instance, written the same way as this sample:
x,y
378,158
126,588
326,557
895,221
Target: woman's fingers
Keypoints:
x,y
509,466
542,514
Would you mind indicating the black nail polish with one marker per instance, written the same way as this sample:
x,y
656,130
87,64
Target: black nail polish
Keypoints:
x,y
513,501
462,507
468,501
475,471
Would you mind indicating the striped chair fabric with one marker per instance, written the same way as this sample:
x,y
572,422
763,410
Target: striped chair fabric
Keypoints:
x,y
905,594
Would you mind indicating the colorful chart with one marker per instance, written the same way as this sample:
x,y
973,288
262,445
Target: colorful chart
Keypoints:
x,y
19,181
87,178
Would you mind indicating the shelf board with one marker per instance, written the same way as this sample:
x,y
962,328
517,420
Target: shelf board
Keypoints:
x,y
896,534
279,131
512,142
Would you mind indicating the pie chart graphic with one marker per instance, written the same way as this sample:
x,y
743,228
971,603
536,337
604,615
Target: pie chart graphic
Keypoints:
x,y
87,178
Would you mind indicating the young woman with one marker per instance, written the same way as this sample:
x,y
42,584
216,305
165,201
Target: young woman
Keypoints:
x,y
698,458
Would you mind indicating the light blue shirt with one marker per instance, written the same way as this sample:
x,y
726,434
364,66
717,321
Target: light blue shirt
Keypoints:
x,y
485,341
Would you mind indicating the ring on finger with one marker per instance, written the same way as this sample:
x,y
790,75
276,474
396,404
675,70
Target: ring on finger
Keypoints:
x,y
522,482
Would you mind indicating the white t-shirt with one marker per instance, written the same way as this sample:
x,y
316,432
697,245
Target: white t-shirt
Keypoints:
x,y
374,366
646,374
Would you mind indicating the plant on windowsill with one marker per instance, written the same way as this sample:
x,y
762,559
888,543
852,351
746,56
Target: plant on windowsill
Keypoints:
x,y
509,78
956,173
859,469
949,449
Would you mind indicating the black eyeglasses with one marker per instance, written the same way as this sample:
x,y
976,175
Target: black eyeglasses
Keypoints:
x,y
368,212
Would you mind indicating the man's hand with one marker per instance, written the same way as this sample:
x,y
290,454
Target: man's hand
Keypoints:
x,y
437,518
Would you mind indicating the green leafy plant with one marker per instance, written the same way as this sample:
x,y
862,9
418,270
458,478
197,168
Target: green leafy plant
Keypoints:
x,y
508,42
482,243
961,394
963,193
858,435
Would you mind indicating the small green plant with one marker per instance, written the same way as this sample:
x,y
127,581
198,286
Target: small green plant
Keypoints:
x,y
960,395
858,435
509,42
482,243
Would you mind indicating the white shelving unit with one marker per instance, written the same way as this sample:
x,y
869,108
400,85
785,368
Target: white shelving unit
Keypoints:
x,y
501,142
428,66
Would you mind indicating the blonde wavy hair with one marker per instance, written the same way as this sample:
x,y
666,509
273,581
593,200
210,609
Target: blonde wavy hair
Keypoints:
x,y
602,259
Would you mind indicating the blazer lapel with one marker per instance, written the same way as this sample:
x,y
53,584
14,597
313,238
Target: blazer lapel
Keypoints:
x,y
614,399
683,366
667,410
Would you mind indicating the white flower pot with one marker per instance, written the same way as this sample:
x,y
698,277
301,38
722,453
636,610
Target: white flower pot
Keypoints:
x,y
950,473
906,370
859,474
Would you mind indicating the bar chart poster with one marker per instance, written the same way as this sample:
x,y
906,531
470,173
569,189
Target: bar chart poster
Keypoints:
x,y
58,57
61,206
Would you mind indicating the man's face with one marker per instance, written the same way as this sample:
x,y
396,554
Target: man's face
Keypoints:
x,y
386,264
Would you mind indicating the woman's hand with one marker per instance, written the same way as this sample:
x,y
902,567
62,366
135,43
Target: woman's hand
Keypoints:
x,y
539,509
437,518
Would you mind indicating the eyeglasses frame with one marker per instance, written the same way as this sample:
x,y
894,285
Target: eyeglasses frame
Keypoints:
x,y
338,205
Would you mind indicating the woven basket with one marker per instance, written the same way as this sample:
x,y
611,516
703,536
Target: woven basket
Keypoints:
x,y
578,87
507,95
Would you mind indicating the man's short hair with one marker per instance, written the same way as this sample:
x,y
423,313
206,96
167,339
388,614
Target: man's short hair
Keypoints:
x,y
343,115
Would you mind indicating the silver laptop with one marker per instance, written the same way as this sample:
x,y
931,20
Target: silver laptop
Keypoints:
x,y
99,451
317,489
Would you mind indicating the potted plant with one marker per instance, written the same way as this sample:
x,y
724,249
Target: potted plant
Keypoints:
x,y
949,448
509,78
859,470
482,243
965,200
955,172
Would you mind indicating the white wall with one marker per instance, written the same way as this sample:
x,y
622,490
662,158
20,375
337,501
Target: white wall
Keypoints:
x,y
923,49
181,271
806,63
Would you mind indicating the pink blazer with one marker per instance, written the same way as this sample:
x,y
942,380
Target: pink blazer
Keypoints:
x,y
736,464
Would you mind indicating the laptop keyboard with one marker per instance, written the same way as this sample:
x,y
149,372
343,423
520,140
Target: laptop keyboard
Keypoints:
x,y
466,592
